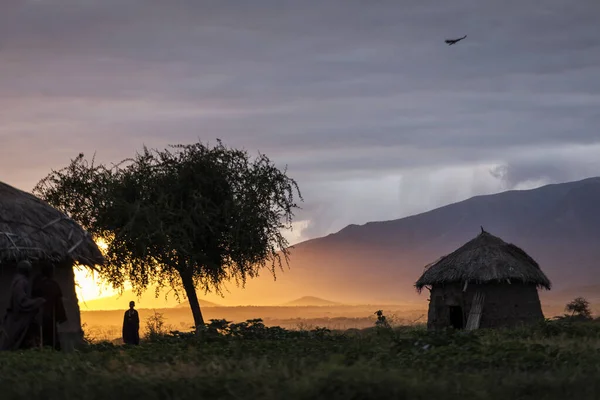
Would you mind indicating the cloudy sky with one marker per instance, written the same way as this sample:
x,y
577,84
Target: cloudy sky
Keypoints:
x,y
375,116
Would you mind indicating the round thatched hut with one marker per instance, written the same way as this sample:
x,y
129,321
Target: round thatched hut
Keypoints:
x,y
486,283
31,229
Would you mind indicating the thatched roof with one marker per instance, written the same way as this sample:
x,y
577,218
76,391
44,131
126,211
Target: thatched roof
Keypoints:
x,y
32,229
485,259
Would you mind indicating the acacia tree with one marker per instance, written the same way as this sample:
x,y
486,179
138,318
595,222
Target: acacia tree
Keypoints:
x,y
579,307
188,217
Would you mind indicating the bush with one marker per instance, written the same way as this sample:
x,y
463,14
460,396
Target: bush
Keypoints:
x,y
156,329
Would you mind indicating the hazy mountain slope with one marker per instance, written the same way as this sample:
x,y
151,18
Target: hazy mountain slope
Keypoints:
x,y
310,301
203,303
558,225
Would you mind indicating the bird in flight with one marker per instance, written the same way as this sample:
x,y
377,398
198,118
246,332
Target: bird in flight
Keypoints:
x,y
453,41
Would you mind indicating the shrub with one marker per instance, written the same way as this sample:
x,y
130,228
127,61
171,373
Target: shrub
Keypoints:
x,y
155,327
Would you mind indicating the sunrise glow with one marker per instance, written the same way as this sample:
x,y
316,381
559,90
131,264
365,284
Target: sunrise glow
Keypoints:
x,y
94,293
89,285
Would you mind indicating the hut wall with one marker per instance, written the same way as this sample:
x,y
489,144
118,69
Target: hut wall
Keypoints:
x,y
66,279
509,305
443,296
505,305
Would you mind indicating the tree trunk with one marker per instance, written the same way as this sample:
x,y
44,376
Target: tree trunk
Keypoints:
x,y
190,292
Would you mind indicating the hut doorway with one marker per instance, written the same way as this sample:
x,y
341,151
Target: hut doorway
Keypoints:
x,y
456,317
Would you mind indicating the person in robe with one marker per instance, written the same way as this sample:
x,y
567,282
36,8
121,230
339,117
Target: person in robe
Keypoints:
x,y
131,325
21,320
53,311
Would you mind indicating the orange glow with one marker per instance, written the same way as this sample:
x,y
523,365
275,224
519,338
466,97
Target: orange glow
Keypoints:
x,y
95,294
88,284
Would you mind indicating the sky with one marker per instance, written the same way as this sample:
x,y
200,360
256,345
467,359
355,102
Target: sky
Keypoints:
x,y
375,116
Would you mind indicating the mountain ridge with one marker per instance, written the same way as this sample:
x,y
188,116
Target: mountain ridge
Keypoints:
x,y
305,301
557,224
565,187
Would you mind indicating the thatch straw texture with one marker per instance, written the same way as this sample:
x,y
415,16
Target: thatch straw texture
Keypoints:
x,y
32,229
485,259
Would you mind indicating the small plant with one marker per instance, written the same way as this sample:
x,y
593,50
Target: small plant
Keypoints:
x,y
216,327
321,333
155,326
382,321
87,338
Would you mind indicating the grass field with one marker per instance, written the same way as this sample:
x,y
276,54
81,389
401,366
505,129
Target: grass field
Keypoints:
x,y
553,360
106,325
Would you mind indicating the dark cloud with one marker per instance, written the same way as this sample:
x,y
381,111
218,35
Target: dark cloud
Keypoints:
x,y
373,113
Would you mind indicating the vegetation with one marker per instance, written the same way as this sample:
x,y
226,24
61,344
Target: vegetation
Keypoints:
x,y
189,217
579,308
382,321
552,360
155,326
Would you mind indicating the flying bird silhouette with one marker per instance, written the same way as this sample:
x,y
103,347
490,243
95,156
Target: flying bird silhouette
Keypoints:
x,y
453,41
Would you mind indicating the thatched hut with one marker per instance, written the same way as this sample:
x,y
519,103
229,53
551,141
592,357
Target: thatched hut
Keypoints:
x,y
485,283
31,229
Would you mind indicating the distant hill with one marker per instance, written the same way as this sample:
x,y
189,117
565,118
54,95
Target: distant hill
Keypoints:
x,y
203,303
310,301
558,225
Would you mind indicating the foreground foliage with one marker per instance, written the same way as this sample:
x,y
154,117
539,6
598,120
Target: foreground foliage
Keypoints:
x,y
554,360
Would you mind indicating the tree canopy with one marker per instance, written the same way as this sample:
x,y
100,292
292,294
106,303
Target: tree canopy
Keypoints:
x,y
580,308
187,217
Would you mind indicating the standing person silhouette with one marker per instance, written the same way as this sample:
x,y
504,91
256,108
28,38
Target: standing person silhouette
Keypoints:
x,y
18,328
131,326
